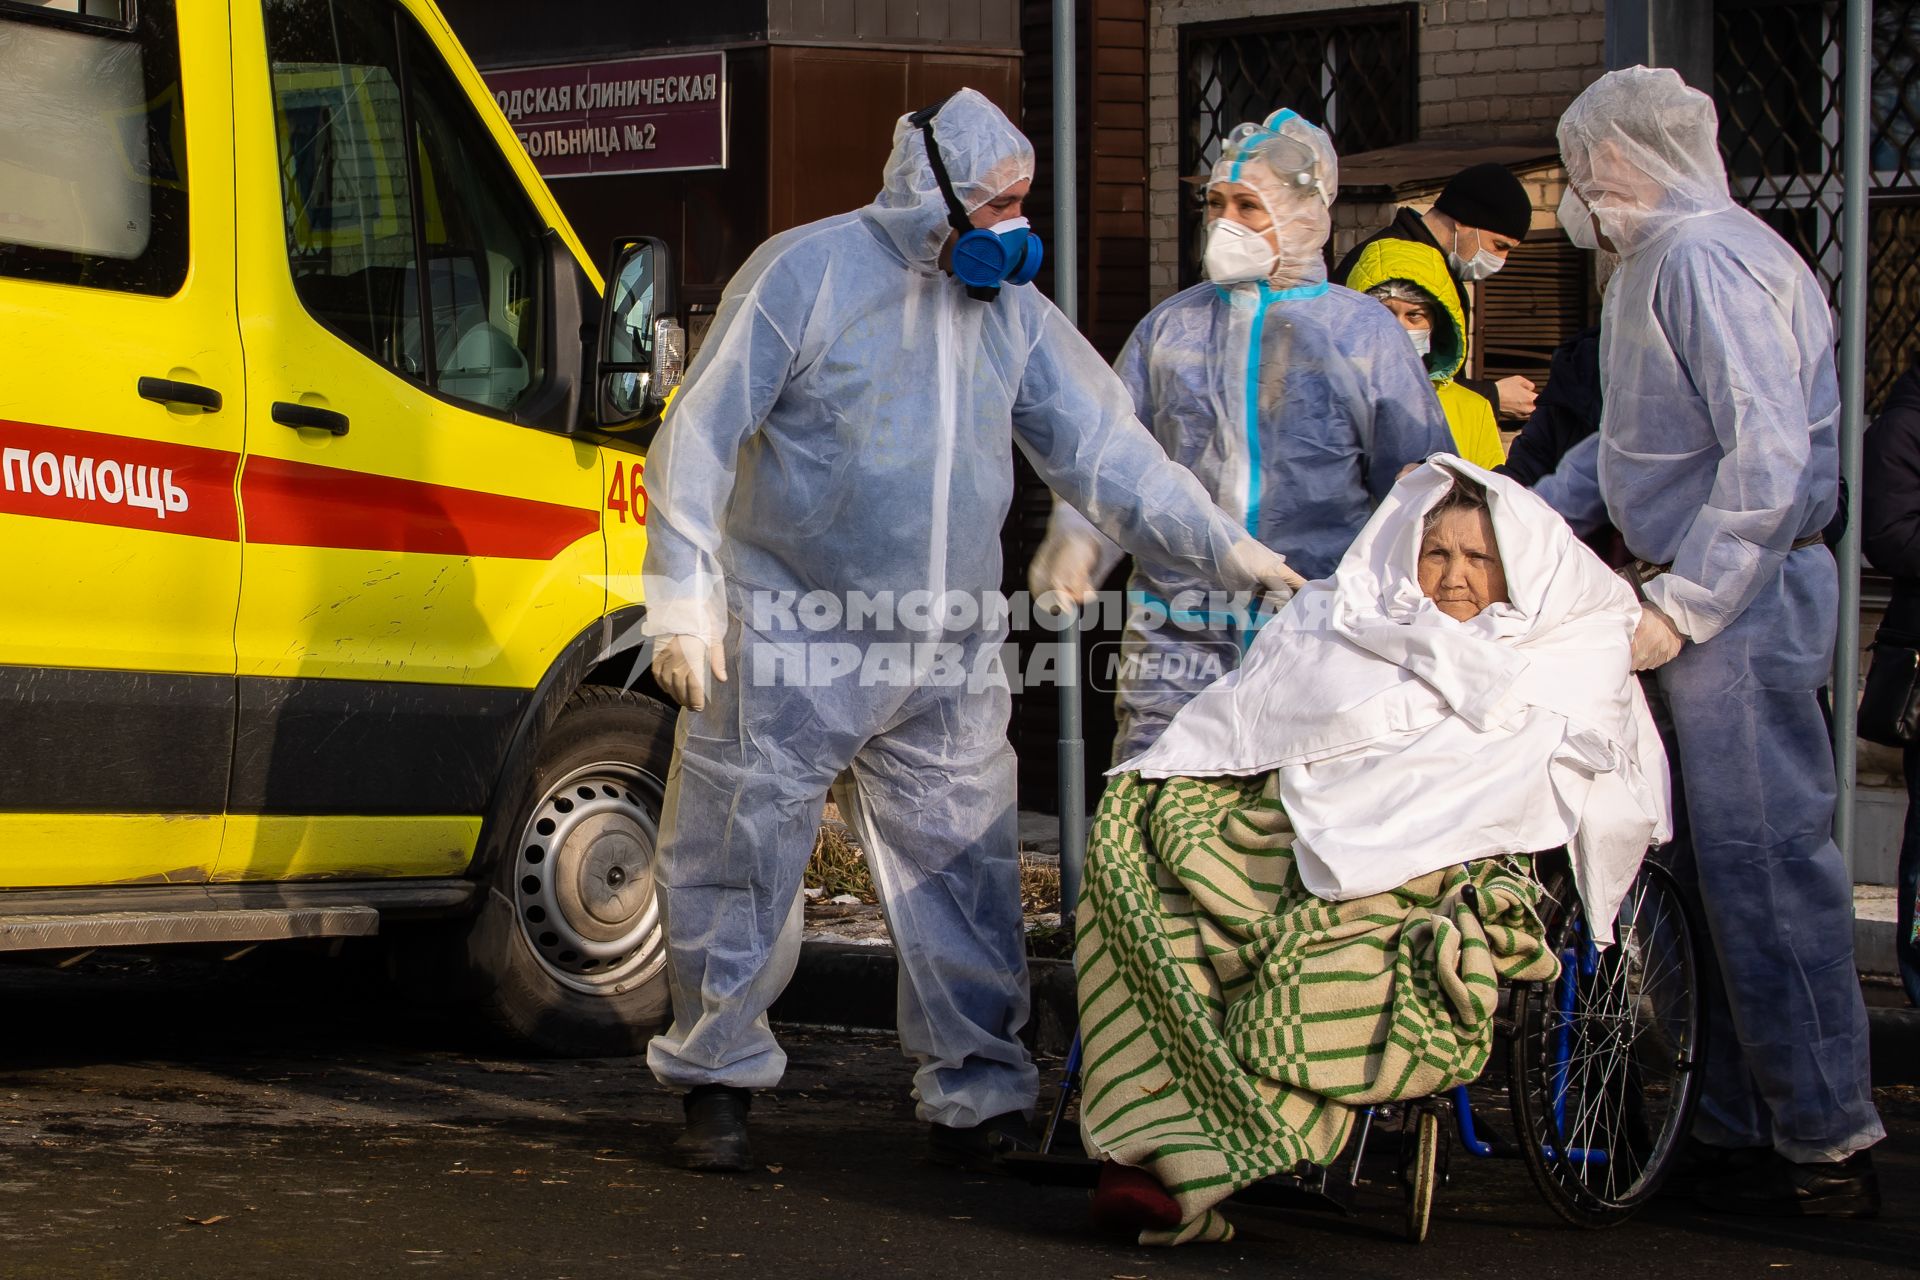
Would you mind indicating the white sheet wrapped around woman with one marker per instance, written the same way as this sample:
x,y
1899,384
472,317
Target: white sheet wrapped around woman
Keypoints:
x,y
1407,740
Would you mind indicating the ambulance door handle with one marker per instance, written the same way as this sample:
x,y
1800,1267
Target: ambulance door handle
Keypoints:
x,y
310,417
167,391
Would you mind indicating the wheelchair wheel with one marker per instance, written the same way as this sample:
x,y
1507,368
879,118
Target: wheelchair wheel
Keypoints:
x,y
1603,1058
1424,1174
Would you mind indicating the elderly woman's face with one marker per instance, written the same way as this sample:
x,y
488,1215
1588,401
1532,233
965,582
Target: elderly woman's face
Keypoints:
x,y
1460,568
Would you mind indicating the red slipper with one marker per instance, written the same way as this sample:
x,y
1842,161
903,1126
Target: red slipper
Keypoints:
x,y
1129,1201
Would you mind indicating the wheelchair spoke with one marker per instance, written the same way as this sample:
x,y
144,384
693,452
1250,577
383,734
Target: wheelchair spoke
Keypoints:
x,y
1603,1059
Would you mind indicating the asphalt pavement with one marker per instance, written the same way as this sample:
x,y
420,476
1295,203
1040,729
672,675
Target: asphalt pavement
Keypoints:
x,y
287,1116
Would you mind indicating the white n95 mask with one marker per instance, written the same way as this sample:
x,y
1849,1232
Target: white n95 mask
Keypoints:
x,y
1422,341
1236,254
1576,219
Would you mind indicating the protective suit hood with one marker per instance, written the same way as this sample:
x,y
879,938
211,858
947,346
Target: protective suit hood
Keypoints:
x,y
1291,165
1641,148
984,155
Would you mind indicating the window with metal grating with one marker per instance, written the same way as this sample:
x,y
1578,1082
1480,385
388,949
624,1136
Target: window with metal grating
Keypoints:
x,y
1351,71
1779,69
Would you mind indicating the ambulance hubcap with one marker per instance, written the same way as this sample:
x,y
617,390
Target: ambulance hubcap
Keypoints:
x,y
584,889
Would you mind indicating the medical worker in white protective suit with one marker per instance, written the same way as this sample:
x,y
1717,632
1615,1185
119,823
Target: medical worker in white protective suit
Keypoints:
x,y
826,502
1296,402
1716,459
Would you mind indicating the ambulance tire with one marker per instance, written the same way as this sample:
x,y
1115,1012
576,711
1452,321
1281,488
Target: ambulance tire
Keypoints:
x,y
615,744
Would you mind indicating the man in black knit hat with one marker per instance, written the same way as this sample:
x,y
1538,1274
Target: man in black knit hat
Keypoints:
x,y
1481,216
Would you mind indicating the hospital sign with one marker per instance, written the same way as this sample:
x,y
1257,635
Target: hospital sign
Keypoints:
x,y
634,115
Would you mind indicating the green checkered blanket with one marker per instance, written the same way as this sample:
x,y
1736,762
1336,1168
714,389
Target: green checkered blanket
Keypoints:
x,y
1232,1022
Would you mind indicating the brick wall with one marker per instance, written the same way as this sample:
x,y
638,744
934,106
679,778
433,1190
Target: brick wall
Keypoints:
x,y
1490,71
1504,70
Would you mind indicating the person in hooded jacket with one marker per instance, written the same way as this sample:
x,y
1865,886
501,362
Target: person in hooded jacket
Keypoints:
x,y
1411,280
1295,401
1482,215
821,577
1717,460
1890,535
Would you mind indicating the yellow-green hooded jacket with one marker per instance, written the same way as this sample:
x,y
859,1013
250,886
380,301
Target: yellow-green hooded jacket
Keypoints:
x,y
1476,436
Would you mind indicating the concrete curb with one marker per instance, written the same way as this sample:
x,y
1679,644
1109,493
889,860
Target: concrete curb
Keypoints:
x,y
853,986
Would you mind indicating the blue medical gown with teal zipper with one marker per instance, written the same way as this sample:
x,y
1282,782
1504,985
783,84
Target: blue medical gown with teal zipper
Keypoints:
x,y
1297,409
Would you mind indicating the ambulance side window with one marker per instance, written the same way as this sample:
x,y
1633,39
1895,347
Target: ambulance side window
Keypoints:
x,y
346,185
93,158
398,204
485,253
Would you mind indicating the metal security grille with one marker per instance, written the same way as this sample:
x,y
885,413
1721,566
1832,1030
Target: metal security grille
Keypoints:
x,y
1778,73
1352,71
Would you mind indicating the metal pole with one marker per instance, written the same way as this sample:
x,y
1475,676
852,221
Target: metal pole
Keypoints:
x,y
1853,380
1066,294
1073,776
1066,164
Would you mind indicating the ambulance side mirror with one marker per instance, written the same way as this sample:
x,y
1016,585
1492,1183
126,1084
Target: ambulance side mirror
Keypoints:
x,y
642,347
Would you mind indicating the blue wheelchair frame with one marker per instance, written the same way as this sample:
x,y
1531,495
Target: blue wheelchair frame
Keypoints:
x,y
1576,962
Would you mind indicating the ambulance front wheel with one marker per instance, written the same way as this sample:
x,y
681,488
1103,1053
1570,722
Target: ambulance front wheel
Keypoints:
x,y
568,951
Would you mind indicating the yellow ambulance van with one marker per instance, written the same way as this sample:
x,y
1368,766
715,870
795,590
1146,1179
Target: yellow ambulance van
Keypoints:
x,y
322,510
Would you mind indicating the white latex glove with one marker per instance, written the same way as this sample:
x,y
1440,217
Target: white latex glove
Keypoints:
x,y
1656,641
681,664
1252,562
1061,575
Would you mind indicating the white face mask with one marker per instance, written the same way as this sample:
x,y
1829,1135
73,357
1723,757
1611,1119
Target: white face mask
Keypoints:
x,y
1235,254
1576,219
1479,266
1422,341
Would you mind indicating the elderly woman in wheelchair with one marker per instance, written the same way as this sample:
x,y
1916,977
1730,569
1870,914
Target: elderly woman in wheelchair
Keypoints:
x,y
1301,903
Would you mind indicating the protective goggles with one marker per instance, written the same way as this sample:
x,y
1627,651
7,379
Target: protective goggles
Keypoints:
x,y
1292,161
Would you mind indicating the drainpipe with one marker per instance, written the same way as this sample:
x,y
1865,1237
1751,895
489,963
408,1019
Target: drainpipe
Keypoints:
x,y
1856,57
1066,295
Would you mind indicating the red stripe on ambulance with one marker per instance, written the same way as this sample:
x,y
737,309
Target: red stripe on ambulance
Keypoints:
x,y
299,504
124,481
91,477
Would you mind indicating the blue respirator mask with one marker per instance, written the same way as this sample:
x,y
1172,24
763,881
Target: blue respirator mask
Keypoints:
x,y
984,258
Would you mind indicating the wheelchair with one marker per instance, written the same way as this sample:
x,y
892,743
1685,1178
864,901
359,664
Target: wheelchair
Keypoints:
x,y
1602,1077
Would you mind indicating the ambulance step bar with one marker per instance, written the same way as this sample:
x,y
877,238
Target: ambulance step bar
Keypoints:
x,y
50,932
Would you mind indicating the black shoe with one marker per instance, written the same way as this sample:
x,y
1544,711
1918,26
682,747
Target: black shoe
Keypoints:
x,y
716,1136
1778,1186
1698,1163
980,1146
